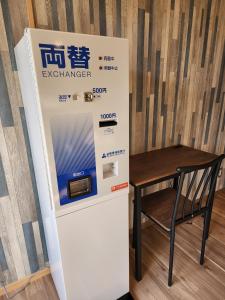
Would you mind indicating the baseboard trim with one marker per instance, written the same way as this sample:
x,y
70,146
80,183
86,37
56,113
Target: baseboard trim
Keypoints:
x,y
12,287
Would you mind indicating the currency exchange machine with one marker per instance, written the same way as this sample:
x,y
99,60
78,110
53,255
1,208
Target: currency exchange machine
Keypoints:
x,y
75,94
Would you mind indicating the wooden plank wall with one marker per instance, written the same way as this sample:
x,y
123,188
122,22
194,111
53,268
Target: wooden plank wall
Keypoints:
x,y
177,62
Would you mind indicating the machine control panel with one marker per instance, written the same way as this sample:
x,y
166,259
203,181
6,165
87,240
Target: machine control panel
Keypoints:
x,y
83,96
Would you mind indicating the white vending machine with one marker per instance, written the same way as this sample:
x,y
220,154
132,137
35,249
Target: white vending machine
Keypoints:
x,y
75,95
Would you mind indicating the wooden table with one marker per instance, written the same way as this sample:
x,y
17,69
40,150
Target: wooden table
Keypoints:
x,y
153,167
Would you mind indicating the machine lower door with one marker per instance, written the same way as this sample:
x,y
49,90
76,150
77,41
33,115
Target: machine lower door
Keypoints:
x,y
95,251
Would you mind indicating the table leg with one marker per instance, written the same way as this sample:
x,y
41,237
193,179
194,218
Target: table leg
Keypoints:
x,y
137,232
175,183
134,226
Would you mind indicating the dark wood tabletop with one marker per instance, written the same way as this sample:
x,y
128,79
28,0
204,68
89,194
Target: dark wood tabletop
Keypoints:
x,y
152,166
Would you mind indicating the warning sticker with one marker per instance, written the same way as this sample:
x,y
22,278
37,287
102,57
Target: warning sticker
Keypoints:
x,y
119,186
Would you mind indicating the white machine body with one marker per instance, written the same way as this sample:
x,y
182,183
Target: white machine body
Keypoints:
x,y
75,94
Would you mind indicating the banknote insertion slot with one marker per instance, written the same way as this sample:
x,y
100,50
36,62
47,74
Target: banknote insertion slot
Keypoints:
x,y
107,123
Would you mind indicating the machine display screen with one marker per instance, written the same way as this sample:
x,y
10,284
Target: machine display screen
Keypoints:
x,y
79,186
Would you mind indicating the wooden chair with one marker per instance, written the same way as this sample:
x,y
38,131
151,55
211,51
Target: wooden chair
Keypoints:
x,y
172,206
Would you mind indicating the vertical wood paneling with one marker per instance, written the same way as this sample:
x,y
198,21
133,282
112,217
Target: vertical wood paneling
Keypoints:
x,y
176,85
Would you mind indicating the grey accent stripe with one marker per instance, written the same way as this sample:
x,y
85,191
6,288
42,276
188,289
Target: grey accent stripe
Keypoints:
x,y
179,139
55,21
150,34
213,41
206,33
140,55
164,113
3,184
146,123
102,17
30,245
29,155
3,262
164,127
130,120
34,185
118,18
163,98
223,126
91,8
219,120
209,115
193,120
221,77
156,94
178,74
69,15
203,105
9,32
172,4
188,42
201,25
5,106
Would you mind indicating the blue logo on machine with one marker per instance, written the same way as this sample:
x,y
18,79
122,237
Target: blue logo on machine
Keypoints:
x,y
98,91
61,56
108,115
113,153
64,98
77,174
55,55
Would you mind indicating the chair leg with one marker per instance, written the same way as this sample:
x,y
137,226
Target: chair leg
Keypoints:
x,y
172,239
208,223
204,236
210,213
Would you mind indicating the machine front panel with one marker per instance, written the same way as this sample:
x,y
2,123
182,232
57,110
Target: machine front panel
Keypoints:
x,y
83,90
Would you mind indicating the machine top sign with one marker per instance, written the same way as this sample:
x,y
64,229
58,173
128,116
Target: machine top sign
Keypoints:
x,y
55,55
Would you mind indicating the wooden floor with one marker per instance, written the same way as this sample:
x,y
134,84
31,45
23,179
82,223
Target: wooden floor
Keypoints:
x,y
191,281
41,289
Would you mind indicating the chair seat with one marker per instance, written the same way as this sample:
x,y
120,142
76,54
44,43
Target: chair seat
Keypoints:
x,y
159,207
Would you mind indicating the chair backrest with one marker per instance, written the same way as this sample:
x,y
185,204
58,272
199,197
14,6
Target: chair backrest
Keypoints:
x,y
195,190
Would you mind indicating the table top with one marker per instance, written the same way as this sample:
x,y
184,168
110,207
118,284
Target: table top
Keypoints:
x,y
154,166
